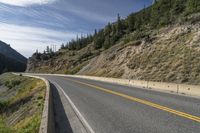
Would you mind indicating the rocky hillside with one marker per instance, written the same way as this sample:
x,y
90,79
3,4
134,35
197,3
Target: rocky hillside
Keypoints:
x,y
172,56
10,59
159,43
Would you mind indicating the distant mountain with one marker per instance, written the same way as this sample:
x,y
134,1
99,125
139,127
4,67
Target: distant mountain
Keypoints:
x,y
6,50
10,59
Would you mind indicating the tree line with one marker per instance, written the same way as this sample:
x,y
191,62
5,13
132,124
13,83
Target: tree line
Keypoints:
x,y
161,13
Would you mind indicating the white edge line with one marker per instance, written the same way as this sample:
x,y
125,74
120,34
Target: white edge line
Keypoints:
x,y
82,119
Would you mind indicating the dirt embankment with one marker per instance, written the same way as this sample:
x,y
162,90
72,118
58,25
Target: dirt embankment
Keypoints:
x,y
170,54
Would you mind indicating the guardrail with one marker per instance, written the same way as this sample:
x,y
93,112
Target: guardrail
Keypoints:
x,y
191,90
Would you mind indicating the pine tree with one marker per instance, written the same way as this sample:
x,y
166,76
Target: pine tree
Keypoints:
x,y
193,6
119,24
178,7
62,46
108,29
95,32
107,43
48,49
99,40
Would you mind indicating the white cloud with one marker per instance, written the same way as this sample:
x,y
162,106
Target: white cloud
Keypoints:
x,y
93,16
26,2
26,39
84,12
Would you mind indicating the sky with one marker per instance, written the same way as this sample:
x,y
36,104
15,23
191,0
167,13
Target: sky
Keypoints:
x,y
28,25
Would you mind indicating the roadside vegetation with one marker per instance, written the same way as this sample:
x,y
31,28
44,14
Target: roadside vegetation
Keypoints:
x,y
21,104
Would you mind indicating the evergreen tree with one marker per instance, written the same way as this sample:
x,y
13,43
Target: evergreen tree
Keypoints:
x,y
193,6
178,7
131,23
62,46
107,43
47,49
108,29
119,25
95,32
99,40
50,51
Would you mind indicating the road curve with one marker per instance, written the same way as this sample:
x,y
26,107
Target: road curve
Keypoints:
x,y
113,108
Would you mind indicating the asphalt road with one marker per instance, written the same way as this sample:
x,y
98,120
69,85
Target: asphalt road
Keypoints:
x,y
112,108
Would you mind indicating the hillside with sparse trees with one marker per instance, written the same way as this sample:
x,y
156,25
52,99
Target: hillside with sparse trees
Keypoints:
x,y
158,43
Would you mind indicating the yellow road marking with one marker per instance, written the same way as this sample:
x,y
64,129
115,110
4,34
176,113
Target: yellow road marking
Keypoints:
x,y
179,113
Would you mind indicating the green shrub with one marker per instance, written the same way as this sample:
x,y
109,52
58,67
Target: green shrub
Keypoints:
x,y
12,83
15,82
3,105
4,128
67,72
31,126
40,97
7,83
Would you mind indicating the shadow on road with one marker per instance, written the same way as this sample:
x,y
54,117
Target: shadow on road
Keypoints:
x,y
62,124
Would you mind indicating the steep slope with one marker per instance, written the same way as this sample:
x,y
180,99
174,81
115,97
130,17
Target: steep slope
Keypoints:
x,y
64,61
172,56
11,60
159,43
6,50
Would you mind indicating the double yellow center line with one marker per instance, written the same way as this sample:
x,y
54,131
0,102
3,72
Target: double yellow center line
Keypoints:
x,y
179,113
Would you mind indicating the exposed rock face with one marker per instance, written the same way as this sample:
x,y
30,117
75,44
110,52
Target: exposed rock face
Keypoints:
x,y
46,66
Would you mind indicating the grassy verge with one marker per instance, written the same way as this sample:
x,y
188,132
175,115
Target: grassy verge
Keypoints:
x,y
21,104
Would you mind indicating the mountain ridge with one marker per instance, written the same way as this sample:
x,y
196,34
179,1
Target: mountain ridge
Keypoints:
x,y
6,50
10,59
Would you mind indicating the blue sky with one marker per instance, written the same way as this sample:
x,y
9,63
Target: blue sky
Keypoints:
x,y
28,25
